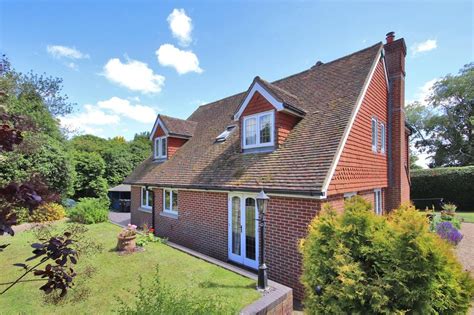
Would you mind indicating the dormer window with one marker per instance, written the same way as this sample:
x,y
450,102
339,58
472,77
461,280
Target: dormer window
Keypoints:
x,y
258,130
160,147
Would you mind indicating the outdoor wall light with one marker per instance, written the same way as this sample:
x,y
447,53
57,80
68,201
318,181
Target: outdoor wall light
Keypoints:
x,y
262,204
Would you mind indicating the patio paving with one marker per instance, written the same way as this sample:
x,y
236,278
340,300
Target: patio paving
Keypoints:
x,y
119,218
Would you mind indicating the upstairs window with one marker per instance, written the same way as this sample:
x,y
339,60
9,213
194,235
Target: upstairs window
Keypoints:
x,y
147,199
160,147
258,130
382,138
374,134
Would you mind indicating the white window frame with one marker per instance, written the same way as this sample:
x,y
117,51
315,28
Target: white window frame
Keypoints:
x,y
172,211
159,146
257,142
378,201
374,133
350,194
147,195
382,138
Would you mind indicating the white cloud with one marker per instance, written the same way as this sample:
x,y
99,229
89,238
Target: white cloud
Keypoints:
x,y
424,92
134,75
425,46
72,65
88,120
141,113
58,51
183,61
181,26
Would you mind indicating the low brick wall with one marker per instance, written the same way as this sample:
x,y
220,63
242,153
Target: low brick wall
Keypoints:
x,y
279,301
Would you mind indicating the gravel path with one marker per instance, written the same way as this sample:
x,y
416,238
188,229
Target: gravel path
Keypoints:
x,y
120,218
465,249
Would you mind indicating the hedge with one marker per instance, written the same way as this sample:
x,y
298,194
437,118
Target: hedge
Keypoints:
x,y
453,184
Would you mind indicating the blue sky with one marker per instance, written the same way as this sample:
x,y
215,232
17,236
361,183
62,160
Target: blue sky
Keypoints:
x,y
125,61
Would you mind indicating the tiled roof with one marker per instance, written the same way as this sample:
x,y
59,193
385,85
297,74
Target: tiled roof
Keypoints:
x,y
178,127
289,100
327,93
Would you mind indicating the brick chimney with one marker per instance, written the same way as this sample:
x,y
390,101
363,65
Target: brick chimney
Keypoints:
x,y
398,155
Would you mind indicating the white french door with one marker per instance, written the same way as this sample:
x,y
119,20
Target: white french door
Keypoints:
x,y
243,229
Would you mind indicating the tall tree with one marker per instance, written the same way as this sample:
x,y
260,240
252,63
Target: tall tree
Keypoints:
x,y
445,126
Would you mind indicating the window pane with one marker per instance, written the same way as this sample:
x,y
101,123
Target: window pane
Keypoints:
x,y
157,147
236,229
167,200
374,133
175,200
163,147
250,229
149,198
382,137
265,128
143,196
250,131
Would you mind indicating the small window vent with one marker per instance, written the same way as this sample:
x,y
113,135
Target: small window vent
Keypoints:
x,y
225,134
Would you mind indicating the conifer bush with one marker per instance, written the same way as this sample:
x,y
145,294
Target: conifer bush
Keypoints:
x,y
48,212
358,262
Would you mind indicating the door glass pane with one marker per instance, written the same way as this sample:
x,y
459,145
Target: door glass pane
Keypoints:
x,y
175,200
236,226
250,229
167,200
265,128
250,131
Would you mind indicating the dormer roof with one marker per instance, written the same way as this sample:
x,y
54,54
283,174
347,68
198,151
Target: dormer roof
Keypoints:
x,y
281,99
174,127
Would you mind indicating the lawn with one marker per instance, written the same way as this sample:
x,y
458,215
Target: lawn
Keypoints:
x,y
116,277
467,216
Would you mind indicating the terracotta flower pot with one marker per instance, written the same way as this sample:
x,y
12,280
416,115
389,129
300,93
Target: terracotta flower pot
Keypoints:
x,y
126,243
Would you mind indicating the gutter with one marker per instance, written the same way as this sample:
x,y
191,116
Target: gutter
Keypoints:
x,y
308,193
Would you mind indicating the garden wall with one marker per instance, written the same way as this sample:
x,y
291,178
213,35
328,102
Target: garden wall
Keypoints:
x,y
453,184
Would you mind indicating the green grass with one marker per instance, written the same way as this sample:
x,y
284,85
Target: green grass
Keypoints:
x,y
116,277
467,216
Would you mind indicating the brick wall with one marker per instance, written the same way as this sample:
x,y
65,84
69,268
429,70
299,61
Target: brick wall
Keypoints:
x,y
201,224
359,167
287,224
337,201
284,124
399,190
137,216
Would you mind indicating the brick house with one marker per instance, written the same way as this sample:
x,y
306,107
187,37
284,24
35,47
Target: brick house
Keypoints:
x,y
321,135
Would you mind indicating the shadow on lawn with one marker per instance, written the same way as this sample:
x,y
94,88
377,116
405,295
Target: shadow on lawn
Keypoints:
x,y
212,284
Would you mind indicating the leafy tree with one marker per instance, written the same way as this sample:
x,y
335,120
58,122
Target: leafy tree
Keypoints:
x,y
119,163
90,170
445,126
140,148
88,143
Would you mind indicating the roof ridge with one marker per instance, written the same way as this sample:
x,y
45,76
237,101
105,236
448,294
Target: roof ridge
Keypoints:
x,y
327,63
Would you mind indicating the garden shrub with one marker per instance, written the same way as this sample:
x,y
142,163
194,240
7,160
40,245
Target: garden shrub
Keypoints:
x,y
22,215
48,212
453,184
160,298
362,263
90,211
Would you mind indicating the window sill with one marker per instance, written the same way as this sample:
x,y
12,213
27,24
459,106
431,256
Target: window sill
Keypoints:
x,y
147,210
169,214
